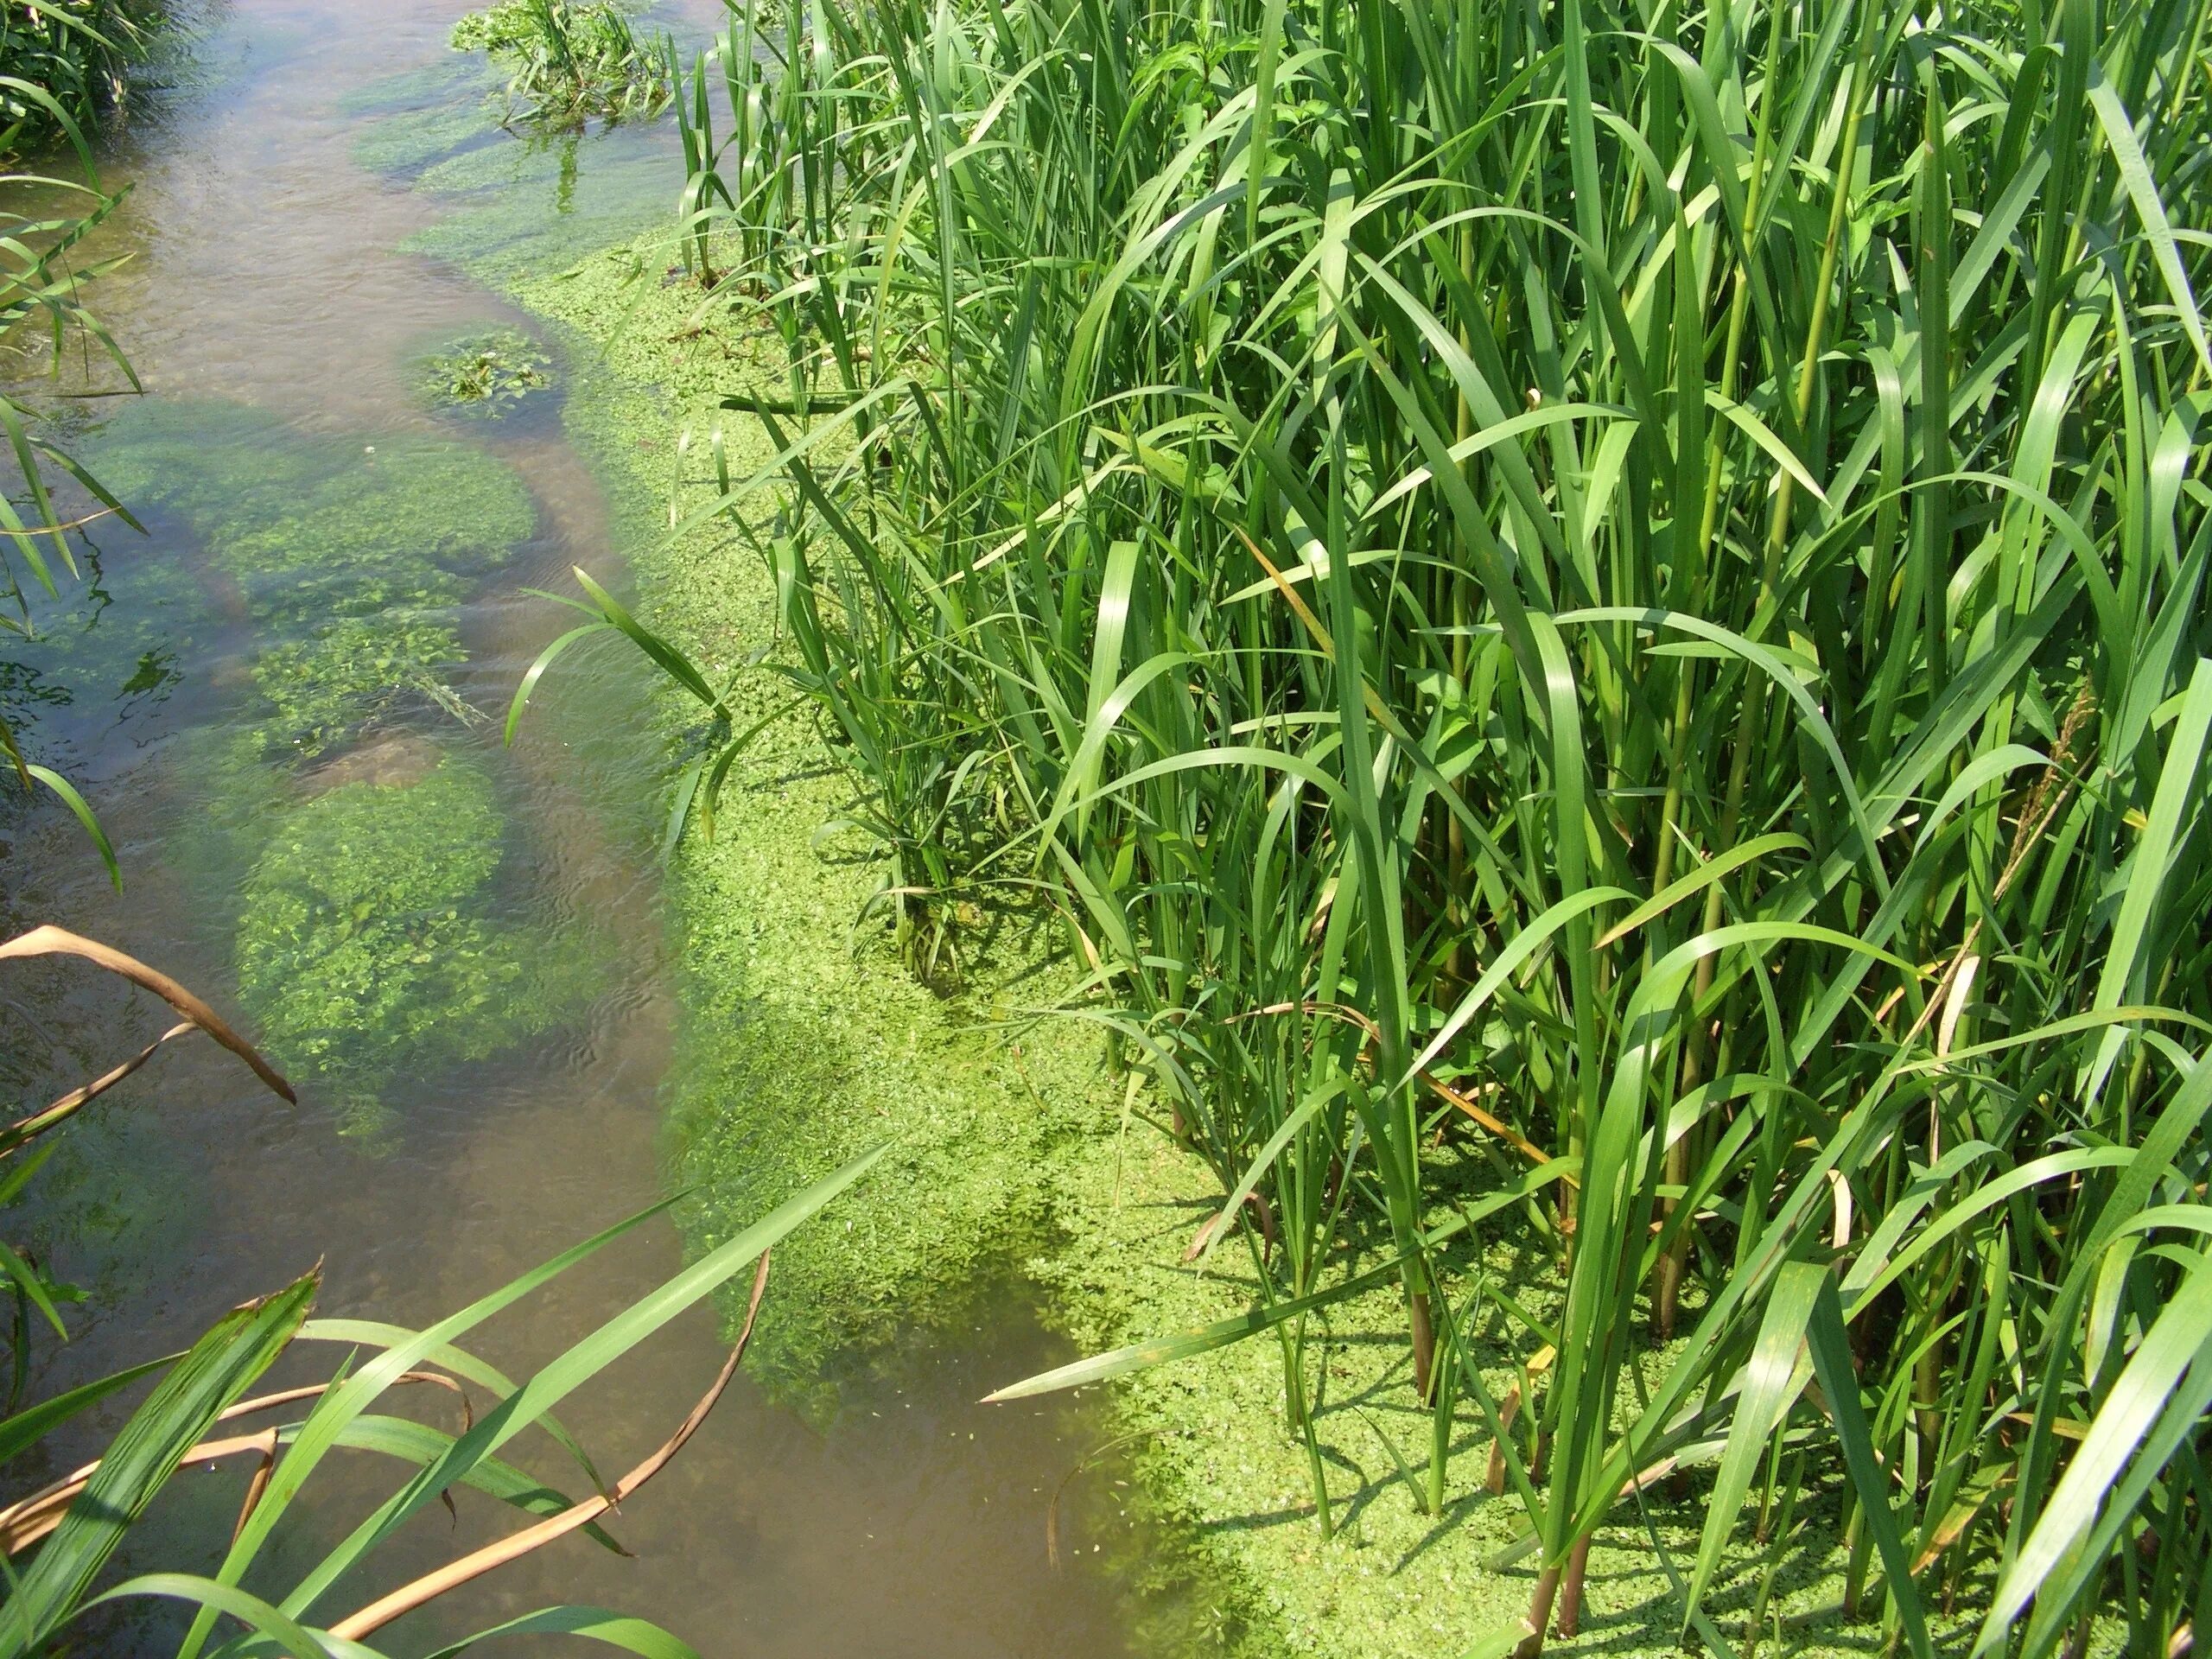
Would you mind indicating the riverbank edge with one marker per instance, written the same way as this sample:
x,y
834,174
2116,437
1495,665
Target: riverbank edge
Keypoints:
x,y
1012,1138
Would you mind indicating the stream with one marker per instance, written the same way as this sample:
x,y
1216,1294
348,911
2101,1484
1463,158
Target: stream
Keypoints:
x,y
321,830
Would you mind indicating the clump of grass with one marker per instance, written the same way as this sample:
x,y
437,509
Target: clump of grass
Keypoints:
x,y
1622,586
570,61
486,374
65,65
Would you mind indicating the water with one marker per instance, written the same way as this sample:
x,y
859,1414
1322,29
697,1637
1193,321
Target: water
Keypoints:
x,y
274,319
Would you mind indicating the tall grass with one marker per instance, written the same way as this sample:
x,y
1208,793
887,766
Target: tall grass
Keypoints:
x,y
1623,580
43,309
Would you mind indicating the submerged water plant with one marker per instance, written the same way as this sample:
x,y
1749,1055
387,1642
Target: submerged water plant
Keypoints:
x,y
370,944
1623,588
350,557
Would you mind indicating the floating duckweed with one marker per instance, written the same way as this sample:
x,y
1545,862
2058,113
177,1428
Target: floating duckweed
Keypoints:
x,y
366,943
485,374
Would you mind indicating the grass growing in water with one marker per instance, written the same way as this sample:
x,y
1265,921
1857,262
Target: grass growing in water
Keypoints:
x,y
1625,587
568,60
65,65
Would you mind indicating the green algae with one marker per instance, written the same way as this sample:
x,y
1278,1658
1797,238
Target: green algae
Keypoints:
x,y
366,945
368,930
795,1053
430,113
349,558
355,673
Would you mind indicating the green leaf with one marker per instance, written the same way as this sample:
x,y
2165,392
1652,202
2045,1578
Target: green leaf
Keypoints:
x,y
212,1374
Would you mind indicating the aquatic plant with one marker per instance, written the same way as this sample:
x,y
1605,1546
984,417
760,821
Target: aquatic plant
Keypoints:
x,y
568,60
77,1525
486,374
356,673
349,557
368,943
1621,588
368,932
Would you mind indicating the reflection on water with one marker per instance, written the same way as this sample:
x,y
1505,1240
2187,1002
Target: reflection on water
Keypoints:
x,y
282,701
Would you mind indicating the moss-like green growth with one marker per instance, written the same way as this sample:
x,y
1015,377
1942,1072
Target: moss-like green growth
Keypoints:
x,y
366,943
349,557
352,673
486,371
370,932
527,204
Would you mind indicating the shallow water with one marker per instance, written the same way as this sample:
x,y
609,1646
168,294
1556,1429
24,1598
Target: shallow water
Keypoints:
x,y
277,322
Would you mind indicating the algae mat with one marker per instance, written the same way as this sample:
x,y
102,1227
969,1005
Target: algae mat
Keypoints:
x,y
364,857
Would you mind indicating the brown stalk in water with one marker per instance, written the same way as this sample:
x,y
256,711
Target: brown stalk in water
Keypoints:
x,y
477,1563
48,940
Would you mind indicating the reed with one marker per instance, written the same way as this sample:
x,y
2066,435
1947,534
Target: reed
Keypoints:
x,y
42,311
1622,582
65,67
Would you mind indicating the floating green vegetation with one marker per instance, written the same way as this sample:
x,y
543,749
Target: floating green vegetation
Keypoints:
x,y
568,60
367,940
486,372
350,557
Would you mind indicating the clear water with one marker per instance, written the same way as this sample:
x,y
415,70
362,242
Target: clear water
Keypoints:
x,y
268,284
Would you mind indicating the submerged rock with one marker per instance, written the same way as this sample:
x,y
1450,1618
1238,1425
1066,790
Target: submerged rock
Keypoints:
x,y
400,761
